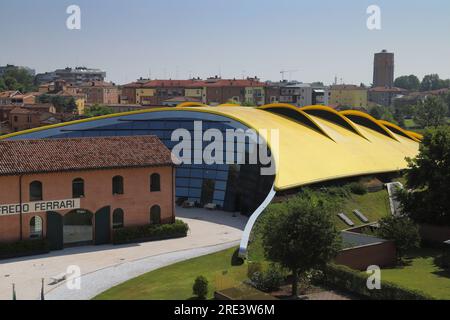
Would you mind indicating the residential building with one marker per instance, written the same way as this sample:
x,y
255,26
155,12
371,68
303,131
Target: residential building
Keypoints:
x,y
96,185
76,76
384,96
348,95
383,69
219,91
100,92
17,98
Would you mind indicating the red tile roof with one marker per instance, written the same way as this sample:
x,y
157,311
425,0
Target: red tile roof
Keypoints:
x,y
387,89
76,154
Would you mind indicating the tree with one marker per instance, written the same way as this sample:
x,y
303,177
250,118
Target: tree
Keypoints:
x,y
300,234
430,112
200,287
410,82
16,78
98,110
428,180
402,230
433,82
382,113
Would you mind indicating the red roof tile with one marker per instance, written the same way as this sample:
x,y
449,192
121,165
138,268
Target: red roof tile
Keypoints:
x,y
75,154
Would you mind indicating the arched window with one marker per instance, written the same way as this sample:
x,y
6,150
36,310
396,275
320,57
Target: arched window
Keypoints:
x,y
118,219
78,188
36,191
155,215
117,185
155,182
36,227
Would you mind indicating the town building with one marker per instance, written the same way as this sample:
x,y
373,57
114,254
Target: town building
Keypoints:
x,y
384,96
383,69
75,76
348,96
76,191
296,93
100,92
14,97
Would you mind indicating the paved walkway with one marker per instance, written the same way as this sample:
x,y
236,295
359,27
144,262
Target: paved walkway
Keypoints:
x,y
105,266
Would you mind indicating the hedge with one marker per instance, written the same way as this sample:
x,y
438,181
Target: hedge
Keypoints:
x,y
23,248
353,281
151,232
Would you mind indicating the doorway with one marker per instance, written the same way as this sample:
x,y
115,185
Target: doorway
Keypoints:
x,y
78,228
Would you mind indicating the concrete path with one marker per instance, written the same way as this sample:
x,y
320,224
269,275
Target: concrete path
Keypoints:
x,y
105,266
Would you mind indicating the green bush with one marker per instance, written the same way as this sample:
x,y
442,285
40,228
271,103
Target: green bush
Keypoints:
x,y
252,268
356,282
268,280
23,248
357,188
151,232
200,287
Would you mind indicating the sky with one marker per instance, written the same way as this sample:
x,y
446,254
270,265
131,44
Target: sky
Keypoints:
x,y
320,39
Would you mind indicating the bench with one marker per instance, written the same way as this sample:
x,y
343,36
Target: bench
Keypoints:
x,y
346,219
361,217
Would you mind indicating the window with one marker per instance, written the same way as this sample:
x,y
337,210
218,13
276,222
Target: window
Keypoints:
x,y
78,188
36,227
36,191
15,119
117,185
118,219
155,182
155,215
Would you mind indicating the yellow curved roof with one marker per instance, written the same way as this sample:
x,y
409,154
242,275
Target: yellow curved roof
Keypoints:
x,y
305,155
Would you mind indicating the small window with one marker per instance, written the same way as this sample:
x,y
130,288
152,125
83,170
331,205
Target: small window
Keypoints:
x,y
117,185
155,182
78,188
118,219
155,215
36,191
36,227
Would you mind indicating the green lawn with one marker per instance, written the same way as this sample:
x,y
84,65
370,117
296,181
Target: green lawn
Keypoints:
x,y
422,274
223,270
373,205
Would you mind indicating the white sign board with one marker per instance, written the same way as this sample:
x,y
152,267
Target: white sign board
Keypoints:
x,y
39,206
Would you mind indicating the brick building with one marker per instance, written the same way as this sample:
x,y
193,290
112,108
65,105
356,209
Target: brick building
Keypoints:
x,y
74,191
100,92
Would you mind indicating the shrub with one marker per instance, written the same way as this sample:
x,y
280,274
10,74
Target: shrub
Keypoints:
x,y
268,280
200,287
23,248
357,188
252,268
152,232
354,281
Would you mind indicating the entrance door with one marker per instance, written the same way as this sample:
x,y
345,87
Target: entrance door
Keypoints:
x,y
55,231
103,226
78,228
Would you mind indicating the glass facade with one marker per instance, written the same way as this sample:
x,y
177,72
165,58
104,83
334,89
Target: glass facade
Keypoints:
x,y
232,187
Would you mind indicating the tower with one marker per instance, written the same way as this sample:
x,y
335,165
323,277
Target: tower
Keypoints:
x,y
383,69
